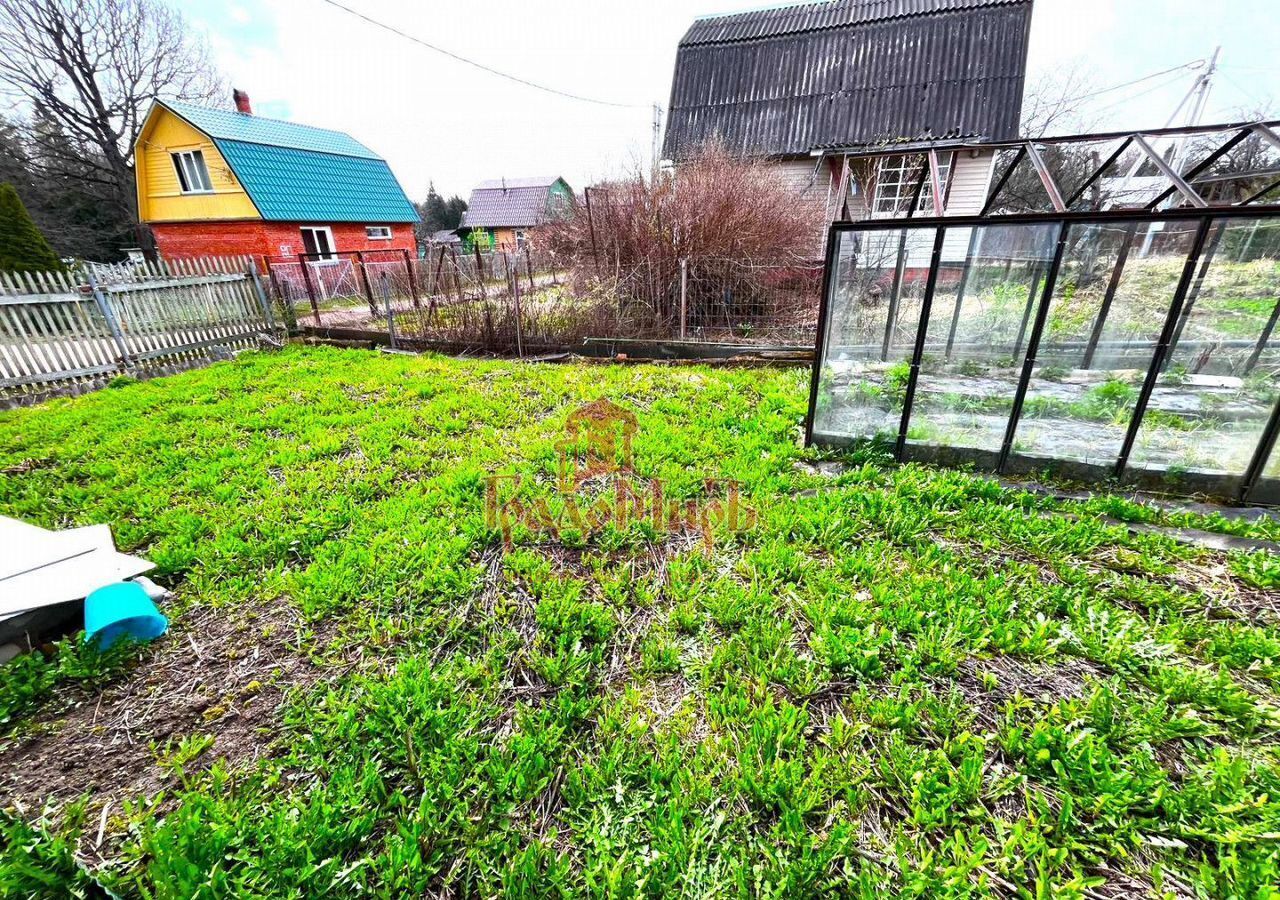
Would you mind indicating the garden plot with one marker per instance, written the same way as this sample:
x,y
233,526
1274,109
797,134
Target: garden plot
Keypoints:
x,y
893,682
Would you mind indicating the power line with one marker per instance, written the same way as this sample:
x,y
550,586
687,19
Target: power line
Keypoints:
x,y
1123,100
1248,94
471,62
1116,87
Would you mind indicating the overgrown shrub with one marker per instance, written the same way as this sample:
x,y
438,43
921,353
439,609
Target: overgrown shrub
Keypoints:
x,y
742,229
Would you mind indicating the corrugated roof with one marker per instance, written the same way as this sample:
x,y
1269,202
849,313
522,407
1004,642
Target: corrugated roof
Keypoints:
x,y
845,73
524,203
288,184
544,181
801,17
223,124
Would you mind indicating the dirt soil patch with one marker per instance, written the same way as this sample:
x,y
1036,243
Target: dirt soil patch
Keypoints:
x,y
218,672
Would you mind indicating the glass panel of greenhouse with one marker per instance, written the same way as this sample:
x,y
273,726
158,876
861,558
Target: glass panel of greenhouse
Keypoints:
x,y
873,311
1267,489
979,328
1218,385
1110,303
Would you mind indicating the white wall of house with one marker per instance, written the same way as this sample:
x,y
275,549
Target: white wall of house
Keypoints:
x,y
810,181
817,188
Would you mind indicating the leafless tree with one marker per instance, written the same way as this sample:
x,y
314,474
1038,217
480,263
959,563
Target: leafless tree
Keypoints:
x,y
1055,103
83,72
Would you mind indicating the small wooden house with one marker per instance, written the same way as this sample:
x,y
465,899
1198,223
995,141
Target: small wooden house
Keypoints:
x,y
223,182
503,213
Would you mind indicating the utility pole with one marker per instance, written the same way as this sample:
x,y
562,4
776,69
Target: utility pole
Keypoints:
x,y
1197,109
1199,90
657,131
1206,81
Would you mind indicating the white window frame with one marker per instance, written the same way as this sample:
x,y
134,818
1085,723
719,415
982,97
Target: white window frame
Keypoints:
x,y
896,178
332,255
193,171
378,232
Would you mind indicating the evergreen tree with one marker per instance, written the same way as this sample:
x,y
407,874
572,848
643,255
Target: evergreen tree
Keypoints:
x,y
455,207
439,214
22,246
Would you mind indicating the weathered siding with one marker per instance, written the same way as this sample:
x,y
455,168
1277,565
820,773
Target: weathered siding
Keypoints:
x,y
810,182
970,183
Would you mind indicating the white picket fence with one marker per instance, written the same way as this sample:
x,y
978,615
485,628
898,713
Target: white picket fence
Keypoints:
x,y
60,328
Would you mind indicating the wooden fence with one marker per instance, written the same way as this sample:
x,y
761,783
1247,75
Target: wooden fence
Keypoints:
x,y
68,328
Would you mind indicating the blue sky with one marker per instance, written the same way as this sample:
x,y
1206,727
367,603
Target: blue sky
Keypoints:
x,y
436,119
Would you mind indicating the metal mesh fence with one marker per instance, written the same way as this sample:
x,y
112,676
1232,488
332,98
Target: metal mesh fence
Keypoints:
x,y
522,301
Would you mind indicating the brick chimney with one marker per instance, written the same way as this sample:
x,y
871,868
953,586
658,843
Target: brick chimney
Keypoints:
x,y
242,101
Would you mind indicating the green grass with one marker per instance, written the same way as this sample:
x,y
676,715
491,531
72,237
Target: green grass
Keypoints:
x,y
901,682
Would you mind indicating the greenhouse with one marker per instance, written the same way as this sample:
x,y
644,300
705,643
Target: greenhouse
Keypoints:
x,y
1124,342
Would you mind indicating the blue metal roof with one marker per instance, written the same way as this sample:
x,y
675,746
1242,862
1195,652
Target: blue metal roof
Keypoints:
x,y
297,173
225,124
287,184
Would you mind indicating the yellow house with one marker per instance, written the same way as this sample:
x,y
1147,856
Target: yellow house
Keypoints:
x,y
223,182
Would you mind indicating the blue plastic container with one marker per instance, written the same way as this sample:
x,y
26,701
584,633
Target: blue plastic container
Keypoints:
x,y
121,609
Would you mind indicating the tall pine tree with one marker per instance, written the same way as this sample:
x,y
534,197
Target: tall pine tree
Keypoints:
x,y
439,214
22,246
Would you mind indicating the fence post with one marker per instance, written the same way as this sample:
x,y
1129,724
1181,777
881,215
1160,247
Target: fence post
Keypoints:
x,y
684,296
413,282
479,268
286,304
252,272
364,279
391,321
311,291
528,267
457,273
515,284
434,287
591,226
104,307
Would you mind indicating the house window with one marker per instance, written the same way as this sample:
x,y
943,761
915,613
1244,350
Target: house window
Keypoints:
x,y
378,232
193,174
318,243
896,180
521,238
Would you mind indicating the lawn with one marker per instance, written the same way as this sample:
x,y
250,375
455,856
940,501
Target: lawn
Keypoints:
x,y
895,682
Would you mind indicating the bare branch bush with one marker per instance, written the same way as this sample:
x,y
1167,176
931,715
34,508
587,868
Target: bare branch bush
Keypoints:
x,y
735,221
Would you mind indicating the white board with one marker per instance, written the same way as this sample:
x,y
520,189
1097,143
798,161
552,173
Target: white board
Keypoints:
x,y
39,567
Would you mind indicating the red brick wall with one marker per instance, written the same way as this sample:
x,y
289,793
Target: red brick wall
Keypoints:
x,y
177,240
